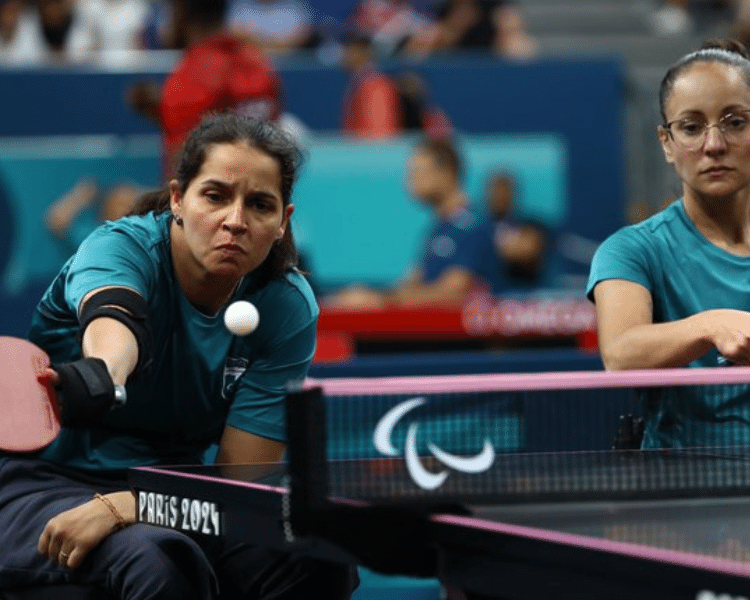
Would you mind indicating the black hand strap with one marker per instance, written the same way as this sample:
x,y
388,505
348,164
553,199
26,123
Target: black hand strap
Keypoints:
x,y
85,393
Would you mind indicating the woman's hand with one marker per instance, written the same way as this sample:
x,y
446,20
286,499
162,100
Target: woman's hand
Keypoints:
x,y
730,334
71,535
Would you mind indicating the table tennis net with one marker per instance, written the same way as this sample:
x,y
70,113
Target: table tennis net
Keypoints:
x,y
513,438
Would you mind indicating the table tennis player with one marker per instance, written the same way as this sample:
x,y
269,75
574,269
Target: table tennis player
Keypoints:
x,y
140,305
674,290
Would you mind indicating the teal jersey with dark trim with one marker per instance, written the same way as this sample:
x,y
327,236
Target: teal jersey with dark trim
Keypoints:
x,y
201,377
686,274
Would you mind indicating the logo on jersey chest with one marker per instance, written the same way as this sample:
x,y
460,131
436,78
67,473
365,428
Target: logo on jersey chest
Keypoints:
x,y
234,367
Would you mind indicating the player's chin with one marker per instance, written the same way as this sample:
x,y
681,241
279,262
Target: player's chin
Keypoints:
x,y
235,268
228,269
721,194
720,190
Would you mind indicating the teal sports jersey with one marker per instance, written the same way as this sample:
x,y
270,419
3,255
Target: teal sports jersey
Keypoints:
x,y
686,274
201,376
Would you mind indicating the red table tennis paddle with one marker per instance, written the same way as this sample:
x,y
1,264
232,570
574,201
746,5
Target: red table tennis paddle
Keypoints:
x,y
29,412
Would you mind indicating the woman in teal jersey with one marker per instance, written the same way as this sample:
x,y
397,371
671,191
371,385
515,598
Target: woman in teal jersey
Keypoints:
x,y
138,312
674,290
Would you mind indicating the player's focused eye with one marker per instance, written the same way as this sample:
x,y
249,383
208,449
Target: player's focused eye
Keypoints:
x,y
690,127
691,132
214,195
734,123
261,203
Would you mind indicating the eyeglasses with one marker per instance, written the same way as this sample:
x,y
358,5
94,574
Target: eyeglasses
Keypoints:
x,y
691,133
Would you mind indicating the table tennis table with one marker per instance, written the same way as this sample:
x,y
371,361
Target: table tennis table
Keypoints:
x,y
610,524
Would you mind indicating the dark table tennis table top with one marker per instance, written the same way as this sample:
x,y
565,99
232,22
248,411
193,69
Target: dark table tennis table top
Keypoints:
x,y
539,538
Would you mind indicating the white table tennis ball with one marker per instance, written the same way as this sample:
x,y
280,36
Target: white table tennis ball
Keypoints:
x,y
241,317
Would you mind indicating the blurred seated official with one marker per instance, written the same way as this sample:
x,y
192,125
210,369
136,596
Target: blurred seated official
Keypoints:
x,y
457,259
521,244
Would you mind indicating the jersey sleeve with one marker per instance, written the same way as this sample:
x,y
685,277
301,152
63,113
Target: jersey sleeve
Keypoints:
x,y
258,404
626,254
113,255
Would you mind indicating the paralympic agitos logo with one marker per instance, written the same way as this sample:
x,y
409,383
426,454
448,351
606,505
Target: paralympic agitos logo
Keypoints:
x,y
420,475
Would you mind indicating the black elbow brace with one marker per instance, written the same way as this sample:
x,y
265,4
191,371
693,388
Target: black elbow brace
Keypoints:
x,y
85,392
131,310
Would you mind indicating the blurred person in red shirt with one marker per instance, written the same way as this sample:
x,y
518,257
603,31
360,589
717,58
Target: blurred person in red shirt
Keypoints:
x,y
219,71
381,106
372,105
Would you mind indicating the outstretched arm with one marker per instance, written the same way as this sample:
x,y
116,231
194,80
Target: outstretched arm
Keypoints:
x,y
71,535
629,339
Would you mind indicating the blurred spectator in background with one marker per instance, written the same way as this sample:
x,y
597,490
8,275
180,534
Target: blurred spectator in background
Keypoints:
x,y
741,21
418,114
457,258
378,105
276,26
672,18
11,13
520,244
494,26
390,24
219,71
75,215
112,25
372,105
686,17
42,30
159,31
512,41
465,24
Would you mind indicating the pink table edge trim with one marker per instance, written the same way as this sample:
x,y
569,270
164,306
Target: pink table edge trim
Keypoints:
x,y
218,480
676,557
568,380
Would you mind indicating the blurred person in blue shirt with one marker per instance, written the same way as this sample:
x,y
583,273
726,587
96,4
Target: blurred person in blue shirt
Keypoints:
x,y
457,258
